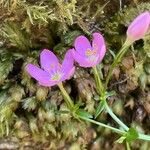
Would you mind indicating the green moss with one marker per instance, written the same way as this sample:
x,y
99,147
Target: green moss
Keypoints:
x,y
28,111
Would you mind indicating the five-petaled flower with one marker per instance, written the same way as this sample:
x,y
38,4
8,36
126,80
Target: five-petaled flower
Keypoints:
x,y
139,26
88,55
51,71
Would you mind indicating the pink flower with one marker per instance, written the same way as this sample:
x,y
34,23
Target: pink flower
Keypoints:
x,y
88,55
138,27
51,71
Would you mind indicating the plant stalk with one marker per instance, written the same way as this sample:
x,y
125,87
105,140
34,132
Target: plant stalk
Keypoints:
x,y
70,105
99,84
102,92
117,59
103,125
67,98
144,137
128,146
110,112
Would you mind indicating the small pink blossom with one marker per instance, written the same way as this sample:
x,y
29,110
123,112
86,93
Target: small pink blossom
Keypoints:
x,y
138,28
51,71
87,54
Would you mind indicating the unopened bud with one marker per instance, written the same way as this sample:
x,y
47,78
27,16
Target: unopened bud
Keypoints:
x,y
138,28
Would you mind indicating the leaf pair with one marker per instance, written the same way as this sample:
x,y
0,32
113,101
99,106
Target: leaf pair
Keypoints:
x,y
101,105
129,136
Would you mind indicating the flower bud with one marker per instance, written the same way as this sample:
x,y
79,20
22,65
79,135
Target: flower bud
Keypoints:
x,y
138,28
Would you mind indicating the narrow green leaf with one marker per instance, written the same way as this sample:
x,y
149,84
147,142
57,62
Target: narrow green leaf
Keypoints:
x,y
111,93
100,108
82,113
131,135
121,139
61,112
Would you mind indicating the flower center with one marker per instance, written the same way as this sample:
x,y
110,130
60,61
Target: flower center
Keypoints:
x,y
90,52
56,76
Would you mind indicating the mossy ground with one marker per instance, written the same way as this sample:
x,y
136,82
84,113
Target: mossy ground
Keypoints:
x,y
30,115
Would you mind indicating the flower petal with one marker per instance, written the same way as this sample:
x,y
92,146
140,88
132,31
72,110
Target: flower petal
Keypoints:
x,y
138,28
38,74
101,54
68,65
50,83
99,44
98,41
82,60
48,60
68,75
68,61
82,44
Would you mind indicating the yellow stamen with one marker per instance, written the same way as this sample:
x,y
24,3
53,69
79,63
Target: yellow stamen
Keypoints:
x,y
56,76
90,52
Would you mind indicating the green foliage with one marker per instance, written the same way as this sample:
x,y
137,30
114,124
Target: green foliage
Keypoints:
x,y
29,110
71,129
8,3
49,128
16,36
100,108
83,114
130,136
7,107
6,65
39,14
30,103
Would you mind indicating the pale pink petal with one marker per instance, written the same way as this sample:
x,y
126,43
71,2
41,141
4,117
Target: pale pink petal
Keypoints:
x,y
68,75
38,74
68,65
71,72
82,44
99,45
48,60
101,54
98,41
50,83
82,60
68,62
138,28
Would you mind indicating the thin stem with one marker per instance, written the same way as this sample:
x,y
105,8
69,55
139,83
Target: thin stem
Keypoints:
x,y
70,105
144,137
102,92
99,84
103,125
117,60
141,136
128,146
115,117
67,98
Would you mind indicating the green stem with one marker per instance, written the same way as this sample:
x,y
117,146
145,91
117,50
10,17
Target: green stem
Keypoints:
x,y
115,117
67,98
103,125
102,92
117,60
144,137
99,84
70,105
128,146
141,136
